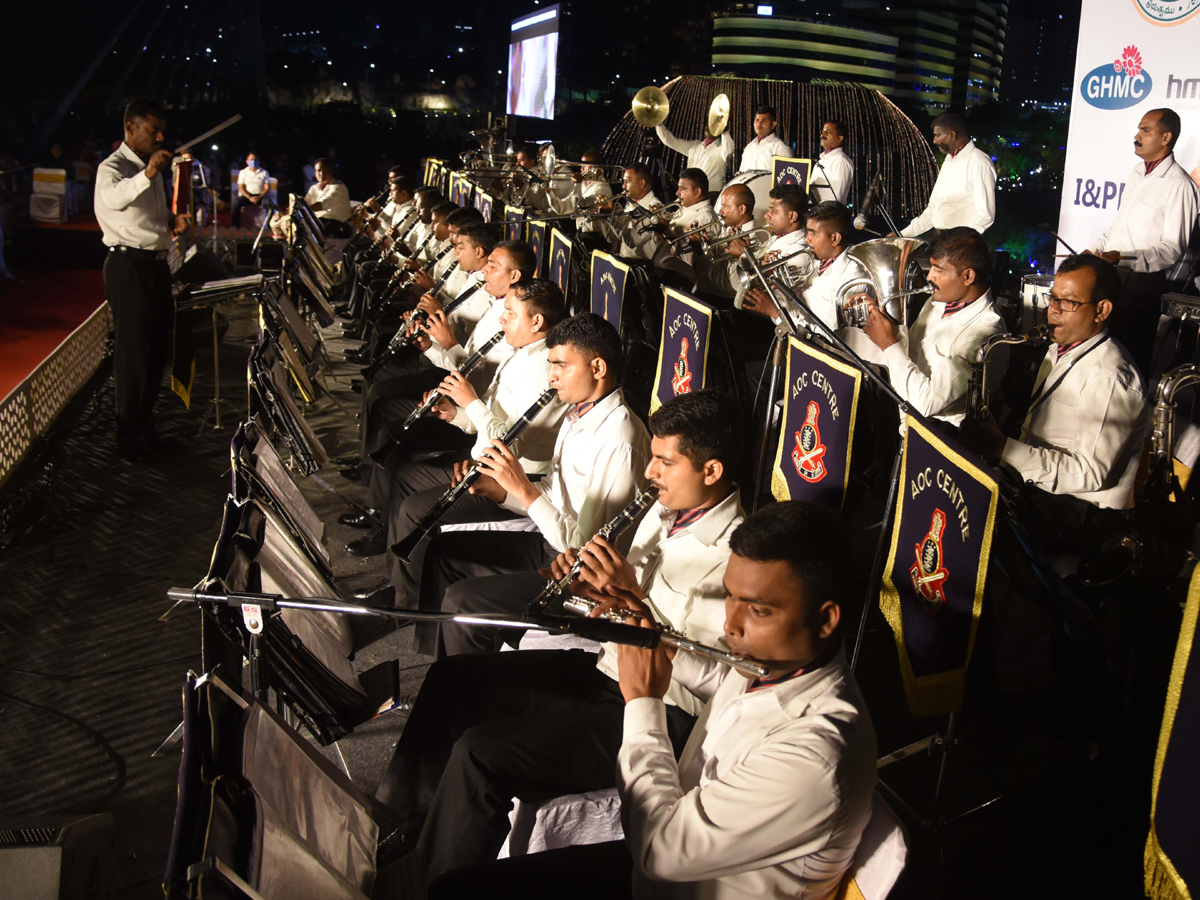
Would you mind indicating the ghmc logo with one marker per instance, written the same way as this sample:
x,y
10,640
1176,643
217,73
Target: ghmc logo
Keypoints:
x,y
1167,12
1120,84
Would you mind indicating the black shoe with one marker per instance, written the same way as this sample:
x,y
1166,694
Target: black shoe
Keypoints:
x,y
342,310
356,385
374,543
357,356
359,520
347,460
353,473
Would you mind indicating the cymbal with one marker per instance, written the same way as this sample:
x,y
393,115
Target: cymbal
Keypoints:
x,y
650,106
718,115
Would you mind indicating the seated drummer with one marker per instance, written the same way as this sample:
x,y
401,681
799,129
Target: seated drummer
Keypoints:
x,y
1083,431
736,209
932,369
542,723
599,455
627,220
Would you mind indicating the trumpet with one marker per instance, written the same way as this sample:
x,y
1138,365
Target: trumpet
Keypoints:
x,y
608,531
660,216
607,171
794,276
671,637
977,388
680,243
755,239
601,201
404,547
469,365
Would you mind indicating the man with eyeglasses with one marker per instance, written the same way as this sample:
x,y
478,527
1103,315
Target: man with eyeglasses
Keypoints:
x,y
1083,429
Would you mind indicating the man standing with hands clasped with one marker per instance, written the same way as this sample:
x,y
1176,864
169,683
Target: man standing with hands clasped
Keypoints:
x,y
137,224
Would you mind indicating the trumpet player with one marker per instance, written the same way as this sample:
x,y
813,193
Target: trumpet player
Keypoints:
x,y
586,188
932,369
636,184
785,218
1081,436
710,154
489,727
736,209
696,208
599,456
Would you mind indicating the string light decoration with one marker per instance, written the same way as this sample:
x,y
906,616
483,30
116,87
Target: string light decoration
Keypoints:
x,y
881,138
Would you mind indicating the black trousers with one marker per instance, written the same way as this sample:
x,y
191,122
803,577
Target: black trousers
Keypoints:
x,y
238,205
533,724
138,289
1135,319
591,872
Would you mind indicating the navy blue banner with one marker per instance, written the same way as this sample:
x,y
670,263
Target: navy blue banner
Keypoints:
x,y
683,350
514,223
609,276
484,203
820,407
537,240
560,259
932,592
791,170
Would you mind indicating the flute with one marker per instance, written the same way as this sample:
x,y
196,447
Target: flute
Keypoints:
x,y
404,547
608,531
671,637
469,364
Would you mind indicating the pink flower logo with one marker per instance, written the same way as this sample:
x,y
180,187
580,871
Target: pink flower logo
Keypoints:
x,y
1130,62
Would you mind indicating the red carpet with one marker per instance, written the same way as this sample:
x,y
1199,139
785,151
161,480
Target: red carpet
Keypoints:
x,y
35,317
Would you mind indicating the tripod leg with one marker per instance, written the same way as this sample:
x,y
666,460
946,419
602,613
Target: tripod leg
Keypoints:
x,y
778,352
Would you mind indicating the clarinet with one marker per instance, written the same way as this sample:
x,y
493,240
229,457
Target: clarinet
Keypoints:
x,y
469,365
404,547
407,334
405,277
608,531
412,220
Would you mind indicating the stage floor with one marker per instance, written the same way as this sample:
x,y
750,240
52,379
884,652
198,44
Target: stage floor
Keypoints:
x,y
90,680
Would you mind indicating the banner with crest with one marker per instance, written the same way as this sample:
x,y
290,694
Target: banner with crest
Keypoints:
x,y
791,170
932,591
683,349
609,276
820,407
1172,855
484,203
514,222
560,259
433,172
537,240
460,189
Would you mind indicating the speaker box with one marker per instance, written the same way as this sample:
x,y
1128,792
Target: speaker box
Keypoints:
x,y
57,858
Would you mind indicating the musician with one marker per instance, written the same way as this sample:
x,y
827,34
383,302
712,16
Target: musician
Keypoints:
x,y
760,154
252,184
329,200
1148,240
509,262
736,209
540,724
710,154
932,369
395,214
636,184
965,191
775,786
425,199
834,178
599,455
1082,433
785,218
697,209
439,251
528,187
137,226
584,189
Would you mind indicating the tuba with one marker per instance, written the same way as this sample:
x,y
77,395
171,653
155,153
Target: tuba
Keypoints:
x,y
977,389
885,261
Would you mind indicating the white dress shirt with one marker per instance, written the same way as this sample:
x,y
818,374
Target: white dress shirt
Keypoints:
x,y
693,217
712,159
1084,436
779,246
1156,218
638,246
519,381
933,372
822,292
585,194
835,176
485,326
721,277
682,576
329,201
964,194
760,154
254,180
131,209
770,795
597,470
400,213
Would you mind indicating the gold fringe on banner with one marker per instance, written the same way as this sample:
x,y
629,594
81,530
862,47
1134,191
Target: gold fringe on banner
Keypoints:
x,y
1163,881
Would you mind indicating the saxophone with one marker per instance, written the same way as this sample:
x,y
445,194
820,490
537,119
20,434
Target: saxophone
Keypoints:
x,y
977,389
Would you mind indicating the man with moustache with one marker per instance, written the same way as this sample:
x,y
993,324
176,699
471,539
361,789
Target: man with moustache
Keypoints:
x,y
965,191
834,178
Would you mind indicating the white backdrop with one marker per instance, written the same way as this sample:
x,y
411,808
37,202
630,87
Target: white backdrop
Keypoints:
x,y
1156,42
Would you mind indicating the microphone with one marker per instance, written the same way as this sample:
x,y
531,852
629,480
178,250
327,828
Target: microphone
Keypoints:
x,y
860,220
